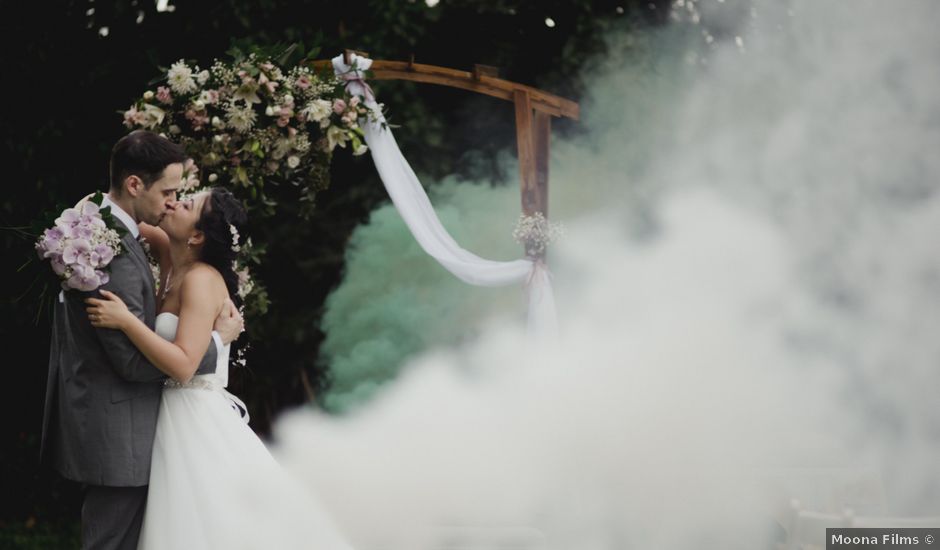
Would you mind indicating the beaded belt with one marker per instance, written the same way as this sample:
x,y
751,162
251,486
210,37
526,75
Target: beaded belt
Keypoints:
x,y
195,382
211,384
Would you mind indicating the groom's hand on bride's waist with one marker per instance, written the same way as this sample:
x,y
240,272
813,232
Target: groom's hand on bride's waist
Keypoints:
x,y
229,324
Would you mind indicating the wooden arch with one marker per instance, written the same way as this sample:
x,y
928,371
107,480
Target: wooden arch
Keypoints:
x,y
534,109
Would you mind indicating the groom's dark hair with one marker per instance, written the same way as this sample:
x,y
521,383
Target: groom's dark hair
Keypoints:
x,y
143,154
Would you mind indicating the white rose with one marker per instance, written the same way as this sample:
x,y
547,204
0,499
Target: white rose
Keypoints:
x,y
213,178
269,110
218,138
199,105
288,99
293,161
217,123
148,95
174,129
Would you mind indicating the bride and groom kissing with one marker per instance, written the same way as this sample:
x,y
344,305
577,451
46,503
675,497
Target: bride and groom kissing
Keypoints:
x,y
136,408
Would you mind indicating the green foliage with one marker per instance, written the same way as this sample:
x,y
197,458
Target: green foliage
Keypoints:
x,y
29,535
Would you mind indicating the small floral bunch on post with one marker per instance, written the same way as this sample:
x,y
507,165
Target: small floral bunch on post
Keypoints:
x,y
254,120
81,245
535,232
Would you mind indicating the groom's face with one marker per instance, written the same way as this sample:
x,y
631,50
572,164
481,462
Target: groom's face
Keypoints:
x,y
154,202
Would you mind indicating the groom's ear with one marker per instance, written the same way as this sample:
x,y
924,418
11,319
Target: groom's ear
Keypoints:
x,y
133,185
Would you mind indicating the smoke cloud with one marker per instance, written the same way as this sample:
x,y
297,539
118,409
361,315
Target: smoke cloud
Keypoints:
x,y
748,294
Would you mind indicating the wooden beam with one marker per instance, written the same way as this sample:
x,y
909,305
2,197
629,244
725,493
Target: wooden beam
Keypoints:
x,y
480,71
496,87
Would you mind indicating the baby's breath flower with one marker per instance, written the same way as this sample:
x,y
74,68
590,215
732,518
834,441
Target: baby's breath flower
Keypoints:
x,y
536,232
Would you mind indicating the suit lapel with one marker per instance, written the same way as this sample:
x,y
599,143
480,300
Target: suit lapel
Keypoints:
x,y
133,247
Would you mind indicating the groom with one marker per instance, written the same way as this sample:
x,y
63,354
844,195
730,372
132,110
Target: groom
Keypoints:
x,y
103,395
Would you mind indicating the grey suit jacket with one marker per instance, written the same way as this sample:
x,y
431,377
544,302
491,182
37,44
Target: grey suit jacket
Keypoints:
x,y
103,395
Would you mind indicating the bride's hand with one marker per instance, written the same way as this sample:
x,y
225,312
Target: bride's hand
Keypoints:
x,y
109,312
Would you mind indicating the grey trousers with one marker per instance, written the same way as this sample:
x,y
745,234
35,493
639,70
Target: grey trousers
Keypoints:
x,y
112,517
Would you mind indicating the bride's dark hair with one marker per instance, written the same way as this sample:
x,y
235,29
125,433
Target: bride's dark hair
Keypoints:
x,y
221,212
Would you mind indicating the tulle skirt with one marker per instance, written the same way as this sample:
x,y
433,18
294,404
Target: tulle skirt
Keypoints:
x,y
214,485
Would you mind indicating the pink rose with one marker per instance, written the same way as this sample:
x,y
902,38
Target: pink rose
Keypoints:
x,y
198,118
303,83
131,116
339,106
163,95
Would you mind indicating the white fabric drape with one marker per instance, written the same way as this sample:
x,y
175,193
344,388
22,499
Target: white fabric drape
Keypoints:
x,y
416,210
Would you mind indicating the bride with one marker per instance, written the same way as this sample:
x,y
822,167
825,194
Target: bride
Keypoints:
x,y
213,484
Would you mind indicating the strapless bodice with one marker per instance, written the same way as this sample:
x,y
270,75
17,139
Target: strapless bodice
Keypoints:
x,y
166,325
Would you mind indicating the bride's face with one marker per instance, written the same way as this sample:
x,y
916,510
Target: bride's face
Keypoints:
x,y
180,222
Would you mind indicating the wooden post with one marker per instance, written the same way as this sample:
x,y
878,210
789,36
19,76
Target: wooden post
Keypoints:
x,y
524,144
542,144
533,139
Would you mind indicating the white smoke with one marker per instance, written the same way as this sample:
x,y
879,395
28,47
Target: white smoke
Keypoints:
x,y
749,298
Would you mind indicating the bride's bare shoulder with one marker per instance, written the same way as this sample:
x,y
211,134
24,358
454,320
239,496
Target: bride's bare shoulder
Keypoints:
x,y
203,280
201,274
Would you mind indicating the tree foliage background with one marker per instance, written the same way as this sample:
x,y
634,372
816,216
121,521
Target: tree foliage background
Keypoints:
x,y
71,67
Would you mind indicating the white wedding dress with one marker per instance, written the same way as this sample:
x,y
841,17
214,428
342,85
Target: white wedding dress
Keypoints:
x,y
213,484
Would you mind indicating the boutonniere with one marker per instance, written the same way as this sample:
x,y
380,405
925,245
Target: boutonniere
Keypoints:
x,y
81,243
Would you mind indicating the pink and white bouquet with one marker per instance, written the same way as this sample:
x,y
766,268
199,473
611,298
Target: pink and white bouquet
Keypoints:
x,y
80,246
254,120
